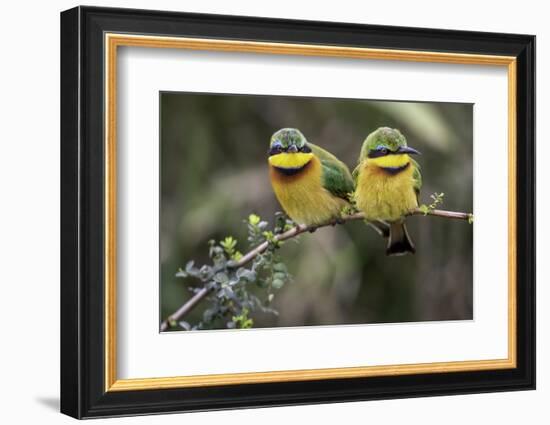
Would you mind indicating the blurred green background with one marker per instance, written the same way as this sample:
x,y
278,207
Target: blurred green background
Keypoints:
x,y
214,174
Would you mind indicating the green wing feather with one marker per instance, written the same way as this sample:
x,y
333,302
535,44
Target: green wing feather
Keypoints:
x,y
336,176
417,178
355,173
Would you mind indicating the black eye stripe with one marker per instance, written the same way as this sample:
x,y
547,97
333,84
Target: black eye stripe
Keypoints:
x,y
378,152
275,149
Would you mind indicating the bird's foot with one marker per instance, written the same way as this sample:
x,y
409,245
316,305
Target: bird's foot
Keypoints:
x,y
337,221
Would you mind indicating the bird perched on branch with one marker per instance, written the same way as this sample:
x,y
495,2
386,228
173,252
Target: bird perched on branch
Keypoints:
x,y
388,183
311,184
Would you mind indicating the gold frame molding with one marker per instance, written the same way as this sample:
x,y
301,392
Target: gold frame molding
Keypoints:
x,y
113,41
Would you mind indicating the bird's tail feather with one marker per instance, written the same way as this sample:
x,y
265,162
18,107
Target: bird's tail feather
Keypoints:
x,y
399,242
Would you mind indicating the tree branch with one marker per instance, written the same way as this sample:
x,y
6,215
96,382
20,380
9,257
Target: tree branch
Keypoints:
x,y
291,233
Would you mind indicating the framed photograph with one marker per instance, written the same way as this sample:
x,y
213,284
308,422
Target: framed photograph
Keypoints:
x,y
261,212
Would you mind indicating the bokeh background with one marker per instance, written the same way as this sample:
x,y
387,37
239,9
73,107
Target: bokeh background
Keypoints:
x,y
214,174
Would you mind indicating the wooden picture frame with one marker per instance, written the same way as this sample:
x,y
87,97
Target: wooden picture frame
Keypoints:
x,y
90,39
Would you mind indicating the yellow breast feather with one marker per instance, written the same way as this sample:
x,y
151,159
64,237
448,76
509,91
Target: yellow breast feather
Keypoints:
x,y
382,195
302,195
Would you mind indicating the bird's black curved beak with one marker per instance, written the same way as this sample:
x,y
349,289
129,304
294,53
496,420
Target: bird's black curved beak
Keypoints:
x,y
409,150
292,149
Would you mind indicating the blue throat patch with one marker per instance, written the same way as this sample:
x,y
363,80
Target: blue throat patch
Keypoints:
x,y
395,170
290,171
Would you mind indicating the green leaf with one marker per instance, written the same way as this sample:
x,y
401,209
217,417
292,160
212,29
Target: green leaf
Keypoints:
x,y
242,321
279,275
205,272
254,219
277,283
184,325
424,209
181,273
246,274
229,244
288,226
262,283
280,267
263,224
221,277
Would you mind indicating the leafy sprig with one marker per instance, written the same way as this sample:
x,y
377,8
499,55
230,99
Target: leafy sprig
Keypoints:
x,y
437,199
237,292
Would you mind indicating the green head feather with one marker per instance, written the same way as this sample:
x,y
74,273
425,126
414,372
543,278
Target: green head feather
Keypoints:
x,y
383,137
287,137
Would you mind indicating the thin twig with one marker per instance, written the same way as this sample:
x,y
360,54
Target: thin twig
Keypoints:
x,y
185,308
291,233
444,214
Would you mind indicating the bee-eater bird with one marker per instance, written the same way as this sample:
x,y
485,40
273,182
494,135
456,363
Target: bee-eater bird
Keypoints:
x,y
388,183
311,184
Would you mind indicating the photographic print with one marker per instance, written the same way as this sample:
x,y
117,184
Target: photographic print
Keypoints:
x,y
284,211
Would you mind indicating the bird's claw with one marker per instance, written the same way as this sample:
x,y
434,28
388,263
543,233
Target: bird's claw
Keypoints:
x,y
337,221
